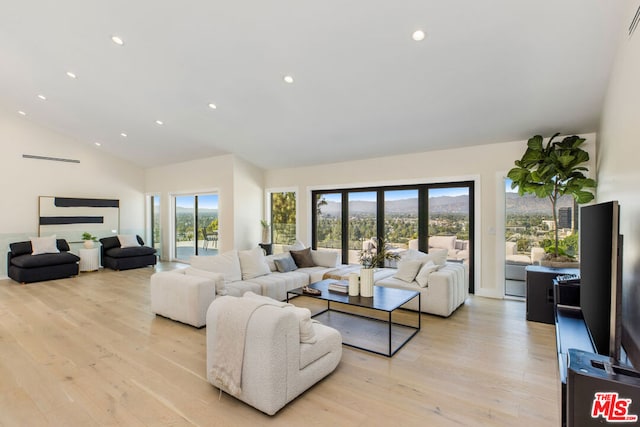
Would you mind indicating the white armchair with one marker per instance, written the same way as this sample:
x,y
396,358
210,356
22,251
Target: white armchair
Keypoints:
x,y
276,367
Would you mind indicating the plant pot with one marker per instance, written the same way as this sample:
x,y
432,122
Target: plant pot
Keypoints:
x,y
559,264
88,244
366,282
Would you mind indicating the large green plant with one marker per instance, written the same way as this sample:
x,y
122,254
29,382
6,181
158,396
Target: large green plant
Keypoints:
x,y
552,171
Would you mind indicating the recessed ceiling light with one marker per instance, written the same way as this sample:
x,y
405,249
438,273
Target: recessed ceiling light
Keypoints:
x,y
71,75
159,122
418,35
124,135
212,106
288,79
22,113
97,144
41,96
117,40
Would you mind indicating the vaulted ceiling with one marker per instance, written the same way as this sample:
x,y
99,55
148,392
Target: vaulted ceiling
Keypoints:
x,y
486,71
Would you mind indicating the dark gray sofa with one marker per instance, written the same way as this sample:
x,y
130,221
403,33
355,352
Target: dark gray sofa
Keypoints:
x,y
24,267
117,258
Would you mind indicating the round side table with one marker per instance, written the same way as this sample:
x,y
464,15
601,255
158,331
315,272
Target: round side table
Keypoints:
x,y
89,259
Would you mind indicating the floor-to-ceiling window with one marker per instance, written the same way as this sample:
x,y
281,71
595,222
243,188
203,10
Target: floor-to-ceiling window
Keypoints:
x,y
327,219
422,216
283,218
196,225
156,241
529,229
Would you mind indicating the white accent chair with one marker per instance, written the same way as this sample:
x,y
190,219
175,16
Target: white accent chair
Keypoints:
x,y
277,367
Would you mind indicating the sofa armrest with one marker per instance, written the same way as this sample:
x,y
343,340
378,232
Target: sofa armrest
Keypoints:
x,y
182,297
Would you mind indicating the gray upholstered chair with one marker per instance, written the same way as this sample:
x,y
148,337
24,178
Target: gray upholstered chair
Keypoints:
x,y
277,366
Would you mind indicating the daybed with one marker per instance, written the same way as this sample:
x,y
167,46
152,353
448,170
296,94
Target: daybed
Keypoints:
x,y
26,265
515,263
124,252
266,353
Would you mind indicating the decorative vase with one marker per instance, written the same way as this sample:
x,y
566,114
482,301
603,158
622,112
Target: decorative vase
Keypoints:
x,y
354,285
366,282
88,244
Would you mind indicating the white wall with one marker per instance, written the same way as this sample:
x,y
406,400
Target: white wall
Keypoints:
x,y
485,164
98,175
619,160
248,203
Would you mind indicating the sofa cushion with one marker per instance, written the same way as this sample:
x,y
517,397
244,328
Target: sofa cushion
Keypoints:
x,y
129,252
20,248
128,240
438,256
307,333
271,260
253,263
227,264
44,245
217,278
443,242
303,258
423,275
285,264
325,258
110,242
44,260
407,269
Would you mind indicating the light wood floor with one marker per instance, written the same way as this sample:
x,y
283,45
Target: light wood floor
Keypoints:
x,y
87,351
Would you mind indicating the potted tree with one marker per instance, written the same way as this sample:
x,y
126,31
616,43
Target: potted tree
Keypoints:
x,y
552,171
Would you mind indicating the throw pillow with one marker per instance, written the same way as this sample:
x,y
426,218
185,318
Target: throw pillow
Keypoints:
x,y
253,263
407,270
297,246
227,264
128,241
44,245
423,275
217,278
271,260
438,256
325,258
285,264
303,258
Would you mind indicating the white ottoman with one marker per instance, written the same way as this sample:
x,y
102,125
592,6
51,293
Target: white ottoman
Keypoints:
x,y
182,297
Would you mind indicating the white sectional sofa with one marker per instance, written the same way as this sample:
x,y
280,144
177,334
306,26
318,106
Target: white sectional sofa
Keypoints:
x,y
185,294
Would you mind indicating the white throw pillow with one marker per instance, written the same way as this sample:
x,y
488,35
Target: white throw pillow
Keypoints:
x,y
407,269
438,256
217,278
128,241
297,246
44,245
307,334
325,258
413,254
253,263
227,264
423,275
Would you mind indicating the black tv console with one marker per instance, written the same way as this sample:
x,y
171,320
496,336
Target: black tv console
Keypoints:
x,y
583,373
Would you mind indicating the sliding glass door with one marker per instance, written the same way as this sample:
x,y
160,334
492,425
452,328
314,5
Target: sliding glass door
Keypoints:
x,y
421,217
196,225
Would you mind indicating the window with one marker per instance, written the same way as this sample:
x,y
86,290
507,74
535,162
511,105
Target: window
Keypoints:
x,y
283,218
156,241
422,217
196,225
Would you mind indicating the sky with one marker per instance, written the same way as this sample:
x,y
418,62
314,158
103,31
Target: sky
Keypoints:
x,y
205,201
370,196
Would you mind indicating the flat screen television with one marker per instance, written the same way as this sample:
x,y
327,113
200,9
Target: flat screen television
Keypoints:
x,y
600,275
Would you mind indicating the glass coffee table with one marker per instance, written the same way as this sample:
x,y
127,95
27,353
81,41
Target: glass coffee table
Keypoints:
x,y
369,326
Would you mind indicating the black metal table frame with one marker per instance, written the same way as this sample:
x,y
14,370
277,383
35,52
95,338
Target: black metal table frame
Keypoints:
x,y
390,322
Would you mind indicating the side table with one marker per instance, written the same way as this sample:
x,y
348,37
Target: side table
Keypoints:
x,y
89,259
